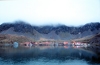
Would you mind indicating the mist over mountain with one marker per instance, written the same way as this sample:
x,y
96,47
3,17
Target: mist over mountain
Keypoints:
x,y
49,31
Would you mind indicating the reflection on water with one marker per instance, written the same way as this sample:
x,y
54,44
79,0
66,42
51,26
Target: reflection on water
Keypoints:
x,y
46,62
47,55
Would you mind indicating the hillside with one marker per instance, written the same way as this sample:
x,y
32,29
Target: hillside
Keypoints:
x,y
6,38
93,40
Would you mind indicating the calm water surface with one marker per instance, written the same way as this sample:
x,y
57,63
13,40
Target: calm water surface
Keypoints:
x,y
48,55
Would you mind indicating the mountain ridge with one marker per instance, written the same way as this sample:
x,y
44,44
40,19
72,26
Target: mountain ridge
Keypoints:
x,y
18,26
51,32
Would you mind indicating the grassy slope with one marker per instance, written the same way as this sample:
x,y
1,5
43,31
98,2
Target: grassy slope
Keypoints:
x,y
7,38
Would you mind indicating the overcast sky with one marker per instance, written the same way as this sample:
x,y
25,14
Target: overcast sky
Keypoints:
x,y
42,12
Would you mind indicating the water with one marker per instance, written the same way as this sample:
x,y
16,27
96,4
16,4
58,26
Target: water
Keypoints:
x,y
42,62
47,55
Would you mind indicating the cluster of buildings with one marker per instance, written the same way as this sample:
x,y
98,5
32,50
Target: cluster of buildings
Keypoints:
x,y
53,43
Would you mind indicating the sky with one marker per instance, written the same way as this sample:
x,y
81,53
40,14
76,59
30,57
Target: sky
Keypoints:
x,y
44,12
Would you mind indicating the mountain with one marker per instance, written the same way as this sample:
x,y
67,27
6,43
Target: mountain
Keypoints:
x,y
59,32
